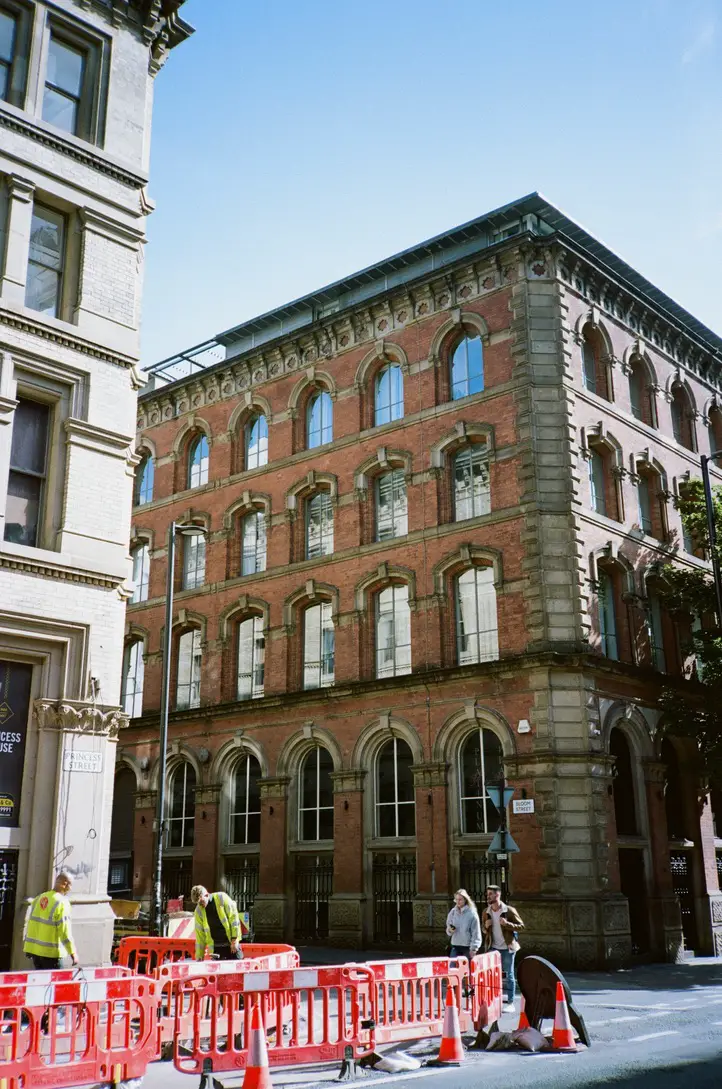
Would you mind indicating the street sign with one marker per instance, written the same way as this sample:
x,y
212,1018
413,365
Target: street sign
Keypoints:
x,y
502,843
494,794
522,805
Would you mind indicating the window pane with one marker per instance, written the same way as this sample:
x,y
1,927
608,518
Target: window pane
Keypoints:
x,y
387,820
7,36
198,463
309,780
325,830
65,67
393,632
636,393
320,420
45,261
407,819
254,828
596,482
253,559
141,573
60,110
325,786
22,510
589,368
189,670
478,769
389,399
656,634
308,824
319,525
391,506
477,625
194,561
404,775
251,658
472,495
607,617
645,505
133,675
146,477
256,443
385,772
467,368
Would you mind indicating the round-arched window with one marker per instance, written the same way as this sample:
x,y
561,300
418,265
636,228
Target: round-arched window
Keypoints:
x,y
315,794
481,763
467,368
395,802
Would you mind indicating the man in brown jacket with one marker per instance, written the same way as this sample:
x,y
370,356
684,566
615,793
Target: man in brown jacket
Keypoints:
x,y
501,923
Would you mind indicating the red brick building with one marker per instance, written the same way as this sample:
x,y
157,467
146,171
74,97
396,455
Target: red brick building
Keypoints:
x,y
434,496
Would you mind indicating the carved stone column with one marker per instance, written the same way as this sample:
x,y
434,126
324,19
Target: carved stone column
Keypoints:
x,y
72,810
432,901
665,918
146,804
346,909
270,916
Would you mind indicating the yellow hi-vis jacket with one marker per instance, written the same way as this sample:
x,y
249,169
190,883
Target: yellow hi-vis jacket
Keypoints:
x,y
227,913
48,933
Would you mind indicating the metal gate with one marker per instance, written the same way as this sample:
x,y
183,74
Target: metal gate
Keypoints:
x,y
240,881
8,886
394,889
314,886
478,871
681,870
177,878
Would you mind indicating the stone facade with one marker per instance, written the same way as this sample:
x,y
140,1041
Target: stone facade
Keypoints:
x,y
570,699
63,588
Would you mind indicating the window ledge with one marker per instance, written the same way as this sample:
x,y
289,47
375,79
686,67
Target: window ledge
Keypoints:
x,y
42,561
60,332
89,154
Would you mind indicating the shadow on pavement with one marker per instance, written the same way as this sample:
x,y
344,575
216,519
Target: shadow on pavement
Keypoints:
x,y
652,977
704,1074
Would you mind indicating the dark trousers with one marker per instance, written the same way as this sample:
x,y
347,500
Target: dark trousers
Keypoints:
x,y
461,951
45,963
223,952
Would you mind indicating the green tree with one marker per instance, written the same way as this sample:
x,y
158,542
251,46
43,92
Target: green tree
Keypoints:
x,y
695,709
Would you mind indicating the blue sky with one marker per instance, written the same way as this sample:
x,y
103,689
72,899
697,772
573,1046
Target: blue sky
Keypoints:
x,y
296,142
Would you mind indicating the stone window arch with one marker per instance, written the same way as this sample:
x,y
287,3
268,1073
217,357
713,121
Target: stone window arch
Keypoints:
x,y
382,487
652,495
181,802
458,353
311,635
311,506
243,811
466,586
385,603
394,794
140,557
658,624
188,644
243,635
683,413
595,359
315,796
642,384
379,383
133,675
462,465
714,418
605,472
247,529
612,597
198,462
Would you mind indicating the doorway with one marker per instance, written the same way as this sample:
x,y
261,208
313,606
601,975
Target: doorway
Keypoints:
x,y
633,885
8,889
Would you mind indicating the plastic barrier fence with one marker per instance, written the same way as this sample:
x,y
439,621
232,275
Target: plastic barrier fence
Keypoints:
x,y
168,974
144,955
488,996
308,1014
60,1032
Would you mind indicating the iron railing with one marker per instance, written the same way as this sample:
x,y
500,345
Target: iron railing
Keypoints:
x,y
394,889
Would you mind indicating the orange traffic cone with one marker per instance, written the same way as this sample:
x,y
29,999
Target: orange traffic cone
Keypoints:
x,y
257,1075
451,1052
562,1036
523,1019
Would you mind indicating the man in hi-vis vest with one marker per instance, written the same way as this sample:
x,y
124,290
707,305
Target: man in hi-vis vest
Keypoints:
x,y
48,934
218,927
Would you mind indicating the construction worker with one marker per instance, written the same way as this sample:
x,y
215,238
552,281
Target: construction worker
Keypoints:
x,y
218,927
48,935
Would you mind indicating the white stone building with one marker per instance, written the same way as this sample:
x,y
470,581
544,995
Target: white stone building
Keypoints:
x,y
76,91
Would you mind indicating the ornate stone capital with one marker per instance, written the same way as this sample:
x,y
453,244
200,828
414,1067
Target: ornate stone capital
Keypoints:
x,y
429,775
654,771
274,787
208,795
348,782
78,717
146,799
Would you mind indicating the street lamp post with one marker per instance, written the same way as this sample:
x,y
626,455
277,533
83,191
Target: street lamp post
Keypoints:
x,y
186,530
712,529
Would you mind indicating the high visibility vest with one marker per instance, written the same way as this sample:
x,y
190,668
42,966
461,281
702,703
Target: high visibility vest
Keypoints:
x,y
48,932
227,913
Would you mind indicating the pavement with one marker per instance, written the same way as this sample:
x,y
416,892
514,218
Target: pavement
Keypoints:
x,y
654,1027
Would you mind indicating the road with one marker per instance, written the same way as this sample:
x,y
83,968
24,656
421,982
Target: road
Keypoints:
x,y
657,1027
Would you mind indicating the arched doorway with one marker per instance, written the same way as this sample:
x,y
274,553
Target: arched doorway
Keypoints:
x,y
120,865
631,847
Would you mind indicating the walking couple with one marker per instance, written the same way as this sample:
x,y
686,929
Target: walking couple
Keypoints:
x,y
500,923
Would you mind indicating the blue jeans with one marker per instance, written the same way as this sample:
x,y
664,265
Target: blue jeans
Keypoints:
x,y
507,966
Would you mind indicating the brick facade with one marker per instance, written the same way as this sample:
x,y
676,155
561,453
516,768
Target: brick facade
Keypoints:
x,y
559,709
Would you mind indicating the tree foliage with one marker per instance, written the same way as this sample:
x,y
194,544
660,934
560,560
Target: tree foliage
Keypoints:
x,y
695,710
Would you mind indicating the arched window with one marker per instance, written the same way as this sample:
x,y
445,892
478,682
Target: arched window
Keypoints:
x,y
120,870
477,627
318,646
589,366
188,687
715,428
194,560
131,696
315,810
623,784
395,802
244,815
651,500
640,394
141,572
481,763
253,531
256,437
251,658
607,606
391,505
388,395
467,368
594,372
319,419
681,410
472,493
181,806
144,479
673,793
319,525
393,632
198,462
598,481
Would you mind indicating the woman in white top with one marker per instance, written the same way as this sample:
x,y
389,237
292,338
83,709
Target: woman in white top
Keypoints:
x,y
463,927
